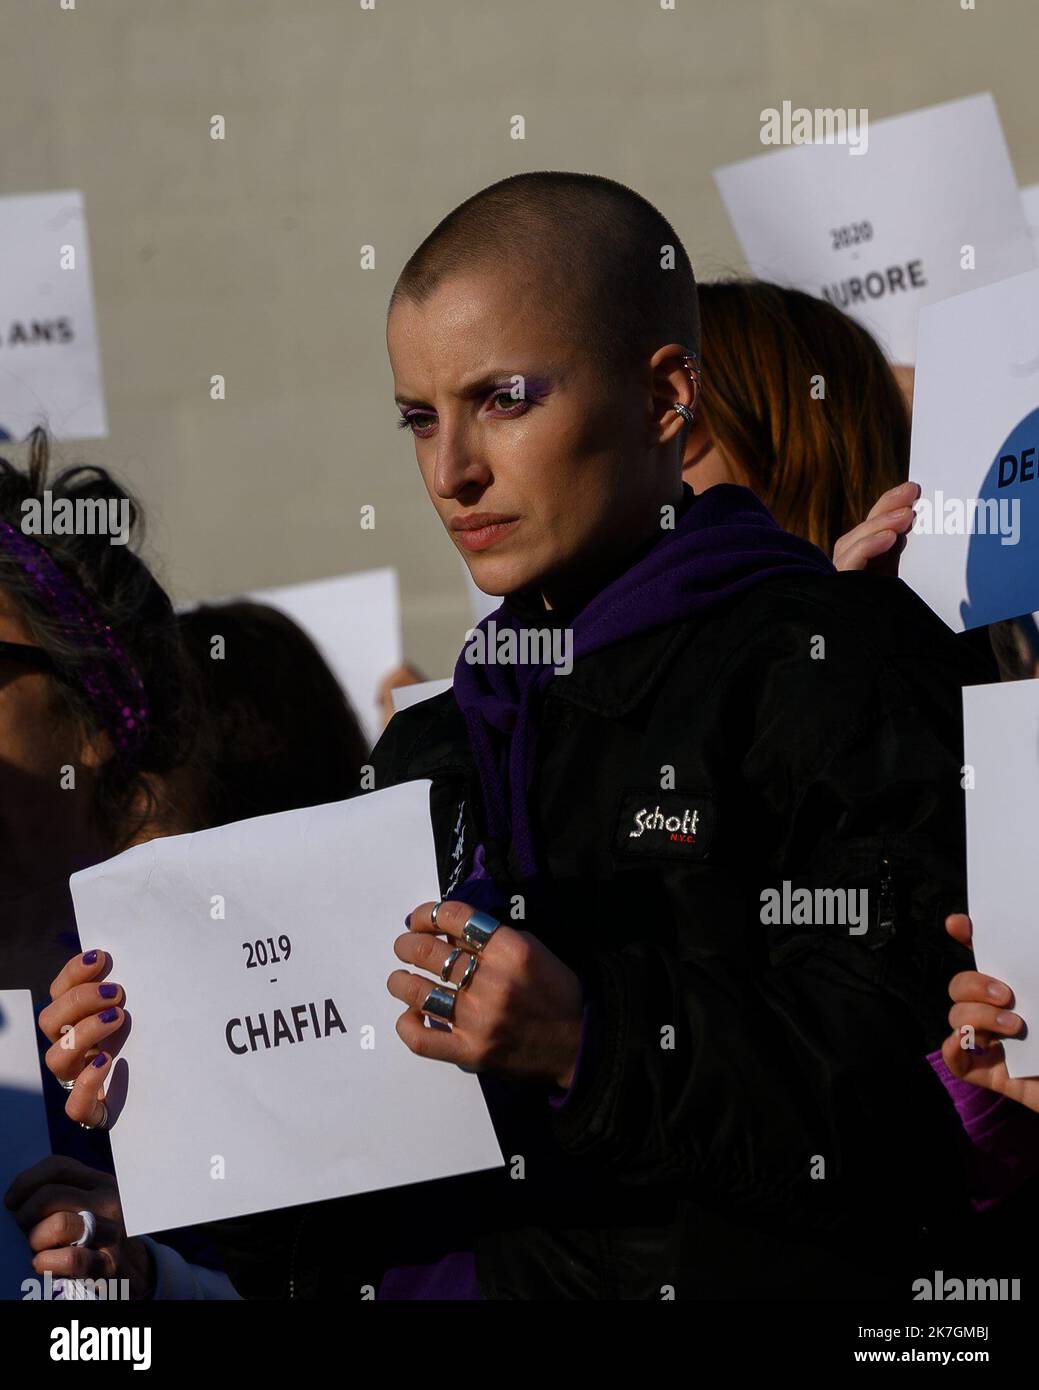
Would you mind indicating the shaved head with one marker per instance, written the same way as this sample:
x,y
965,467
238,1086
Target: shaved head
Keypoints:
x,y
603,261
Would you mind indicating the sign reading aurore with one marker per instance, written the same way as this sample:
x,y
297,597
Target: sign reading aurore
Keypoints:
x,y
930,208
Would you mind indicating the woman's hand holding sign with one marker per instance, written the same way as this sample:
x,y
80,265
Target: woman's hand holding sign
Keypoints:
x,y
84,1013
514,1007
876,544
980,1016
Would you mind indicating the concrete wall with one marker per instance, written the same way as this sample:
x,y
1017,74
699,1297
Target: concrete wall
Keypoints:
x,y
348,126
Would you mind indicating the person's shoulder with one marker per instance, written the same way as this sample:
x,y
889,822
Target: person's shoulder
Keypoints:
x,y
421,740
878,617
841,641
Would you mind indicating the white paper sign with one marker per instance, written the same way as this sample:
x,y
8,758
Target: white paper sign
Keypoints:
x,y
1001,744
974,552
404,696
883,232
50,368
249,1080
1030,201
354,620
24,1137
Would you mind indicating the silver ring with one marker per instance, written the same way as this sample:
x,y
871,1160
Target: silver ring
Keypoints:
x,y
436,909
470,971
445,969
102,1123
479,929
65,1085
440,1003
89,1229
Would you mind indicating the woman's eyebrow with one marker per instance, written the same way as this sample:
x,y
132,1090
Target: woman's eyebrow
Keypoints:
x,y
486,381
504,378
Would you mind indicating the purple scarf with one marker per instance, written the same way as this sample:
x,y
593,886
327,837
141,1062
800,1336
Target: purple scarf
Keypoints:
x,y
724,542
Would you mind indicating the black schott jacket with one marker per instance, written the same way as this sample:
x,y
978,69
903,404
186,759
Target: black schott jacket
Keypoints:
x,y
753,1115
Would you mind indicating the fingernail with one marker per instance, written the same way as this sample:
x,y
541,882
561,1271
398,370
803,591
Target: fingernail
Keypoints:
x,y
109,1016
407,921
99,1060
1006,1020
996,992
108,991
89,957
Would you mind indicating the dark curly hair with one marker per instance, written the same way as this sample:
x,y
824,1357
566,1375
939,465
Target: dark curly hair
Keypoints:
x,y
125,595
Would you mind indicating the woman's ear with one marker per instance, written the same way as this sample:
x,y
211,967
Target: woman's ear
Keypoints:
x,y
95,750
672,385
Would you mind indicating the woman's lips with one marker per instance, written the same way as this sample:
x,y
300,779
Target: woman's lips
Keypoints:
x,y
481,537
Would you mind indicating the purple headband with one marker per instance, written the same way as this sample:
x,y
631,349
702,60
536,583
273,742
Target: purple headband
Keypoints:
x,y
111,682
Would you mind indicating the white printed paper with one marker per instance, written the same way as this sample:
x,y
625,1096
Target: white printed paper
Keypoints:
x,y
50,367
354,620
24,1137
884,232
262,1067
1001,745
404,696
974,551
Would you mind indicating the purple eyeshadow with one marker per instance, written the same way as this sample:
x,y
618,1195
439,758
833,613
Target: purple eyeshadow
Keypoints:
x,y
533,386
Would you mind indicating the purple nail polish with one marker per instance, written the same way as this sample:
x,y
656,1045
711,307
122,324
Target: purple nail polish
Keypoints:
x,y
109,1016
89,957
407,921
108,991
99,1060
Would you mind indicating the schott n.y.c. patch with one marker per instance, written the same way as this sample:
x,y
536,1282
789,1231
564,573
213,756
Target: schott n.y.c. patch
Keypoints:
x,y
667,825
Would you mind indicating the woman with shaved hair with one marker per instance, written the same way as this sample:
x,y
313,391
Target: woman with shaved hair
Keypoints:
x,y
693,875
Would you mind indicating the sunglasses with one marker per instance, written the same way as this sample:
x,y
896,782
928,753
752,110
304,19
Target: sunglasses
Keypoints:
x,y
32,658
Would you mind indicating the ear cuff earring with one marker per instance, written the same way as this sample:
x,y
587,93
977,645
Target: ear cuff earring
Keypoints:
x,y
691,363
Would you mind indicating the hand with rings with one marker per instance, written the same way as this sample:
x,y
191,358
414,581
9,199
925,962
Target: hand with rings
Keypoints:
x,y
513,1007
86,1023
73,1220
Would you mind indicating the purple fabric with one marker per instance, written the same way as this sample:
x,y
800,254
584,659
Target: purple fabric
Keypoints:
x,y
557,1102
1003,1137
111,681
724,543
453,1277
